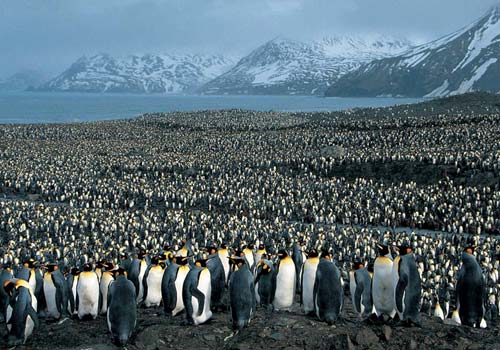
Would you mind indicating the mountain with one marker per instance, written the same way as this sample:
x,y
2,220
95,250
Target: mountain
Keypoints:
x,y
283,66
139,74
22,80
467,60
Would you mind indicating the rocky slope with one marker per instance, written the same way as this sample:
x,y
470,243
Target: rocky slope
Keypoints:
x,y
22,80
139,74
283,66
467,60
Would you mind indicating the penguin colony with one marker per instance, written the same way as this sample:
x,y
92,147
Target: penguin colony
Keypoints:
x,y
183,210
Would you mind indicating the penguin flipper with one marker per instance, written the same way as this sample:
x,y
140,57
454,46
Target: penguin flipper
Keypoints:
x,y
32,313
400,291
357,297
145,284
171,296
201,300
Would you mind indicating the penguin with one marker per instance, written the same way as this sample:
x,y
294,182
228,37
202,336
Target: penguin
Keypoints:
x,y
241,293
249,255
408,287
55,291
299,257
171,285
23,319
5,276
28,273
360,285
196,294
308,278
328,292
152,282
438,311
87,293
265,283
383,283
105,280
285,282
72,281
260,252
122,313
224,258
136,274
470,290
217,276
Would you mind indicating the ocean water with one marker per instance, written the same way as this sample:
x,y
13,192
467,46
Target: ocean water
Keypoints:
x,y
49,107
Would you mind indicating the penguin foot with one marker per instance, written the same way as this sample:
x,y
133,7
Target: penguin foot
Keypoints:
x,y
62,321
230,336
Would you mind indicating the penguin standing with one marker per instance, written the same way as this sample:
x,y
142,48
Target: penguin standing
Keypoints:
x,y
285,282
72,281
136,274
328,291
217,276
408,287
122,312
87,293
383,283
5,276
224,259
265,283
241,293
308,280
23,318
249,255
105,280
171,285
55,291
152,283
360,285
470,290
196,294
299,257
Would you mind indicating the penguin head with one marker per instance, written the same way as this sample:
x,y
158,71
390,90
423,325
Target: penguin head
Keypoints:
x,y
262,247
383,249
223,246
119,272
266,268
325,254
357,265
142,254
7,266
167,247
75,271
469,250
30,263
51,267
236,261
282,254
87,267
108,266
201,262
313,253
211,250
155,260
181,260
403,249
99,264
9,287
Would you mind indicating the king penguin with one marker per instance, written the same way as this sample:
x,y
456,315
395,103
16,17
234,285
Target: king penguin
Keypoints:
x,y
217,276
383,284
470,290
122,312
55,291
196,294
328,292
152,282
72,281
265,282
408,286
171,285
360,285
308,279
285,282
241,293
105,280
24,318
87,293
224,258
136,274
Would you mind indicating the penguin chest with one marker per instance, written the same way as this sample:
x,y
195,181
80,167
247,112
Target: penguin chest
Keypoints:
x,y
223,255
249,257
285,285
308,279
142,271
179,281
88,294
32,281
204,286
49,290
153,297
106,279
352,288
383,286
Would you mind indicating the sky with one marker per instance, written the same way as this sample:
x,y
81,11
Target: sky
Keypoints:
x,y
49,35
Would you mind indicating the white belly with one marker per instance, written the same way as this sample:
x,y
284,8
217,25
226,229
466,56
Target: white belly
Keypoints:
x,y
49,290
142,271
88,296
179,282
225,264
285,286
154,287
352,289
383,289
308,278
106,279
204,286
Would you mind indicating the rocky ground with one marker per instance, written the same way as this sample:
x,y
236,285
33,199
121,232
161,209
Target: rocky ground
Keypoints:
x,y
268,330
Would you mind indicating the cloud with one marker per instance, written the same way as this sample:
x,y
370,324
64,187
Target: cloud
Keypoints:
x,y
51,34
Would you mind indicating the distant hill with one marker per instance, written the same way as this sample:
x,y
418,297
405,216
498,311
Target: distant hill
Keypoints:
x,y
22,80
467,60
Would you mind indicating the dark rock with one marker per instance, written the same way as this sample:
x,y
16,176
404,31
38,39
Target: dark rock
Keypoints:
x,y
366,337
387,332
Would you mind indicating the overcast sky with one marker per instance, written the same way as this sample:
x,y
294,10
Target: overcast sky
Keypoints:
x,y
49,35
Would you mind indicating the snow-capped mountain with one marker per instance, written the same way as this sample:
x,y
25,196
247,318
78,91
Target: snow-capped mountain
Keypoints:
x,y
283,66
140,74
467,60
22,80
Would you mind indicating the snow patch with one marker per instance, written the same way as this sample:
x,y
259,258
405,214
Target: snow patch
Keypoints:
x,y
467,85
